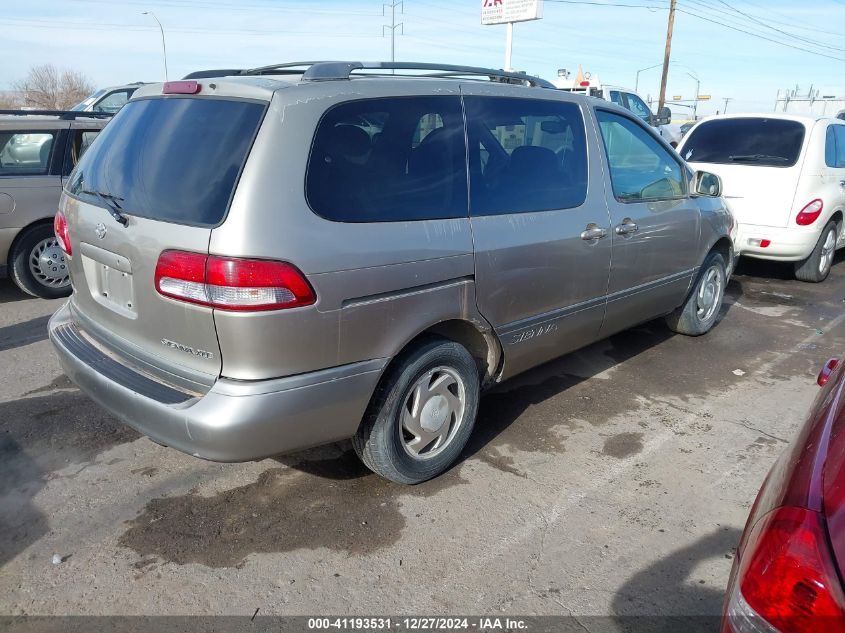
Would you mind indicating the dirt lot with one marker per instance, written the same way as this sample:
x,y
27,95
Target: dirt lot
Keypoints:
x,y
614,481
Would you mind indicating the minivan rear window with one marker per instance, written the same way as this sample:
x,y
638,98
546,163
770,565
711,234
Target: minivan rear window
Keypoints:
x,y
171,159
746,141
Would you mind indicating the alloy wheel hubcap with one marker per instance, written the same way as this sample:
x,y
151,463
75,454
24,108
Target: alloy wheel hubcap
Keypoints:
x,y
432,413
709,293
828,249
47,263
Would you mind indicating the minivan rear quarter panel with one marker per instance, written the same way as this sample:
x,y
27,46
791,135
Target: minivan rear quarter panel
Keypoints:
x,y
418,272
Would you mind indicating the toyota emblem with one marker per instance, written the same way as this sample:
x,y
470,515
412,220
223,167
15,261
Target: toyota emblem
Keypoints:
x,y
100,230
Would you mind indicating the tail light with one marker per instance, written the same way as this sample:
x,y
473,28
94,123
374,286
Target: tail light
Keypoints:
x,y
810,213
787,579
61,231
827,370
181,88
231,284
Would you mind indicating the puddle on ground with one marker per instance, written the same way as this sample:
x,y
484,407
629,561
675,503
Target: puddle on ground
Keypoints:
x,y
334,503
623,445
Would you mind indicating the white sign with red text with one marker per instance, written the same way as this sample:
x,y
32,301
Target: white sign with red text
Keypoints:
x,y
504,11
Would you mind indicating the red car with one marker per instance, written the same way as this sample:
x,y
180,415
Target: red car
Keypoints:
x,y
787,574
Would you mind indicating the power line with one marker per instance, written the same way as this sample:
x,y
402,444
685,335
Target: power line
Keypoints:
x,y
106,26
206,4
759,36
651,7
763,23
813,29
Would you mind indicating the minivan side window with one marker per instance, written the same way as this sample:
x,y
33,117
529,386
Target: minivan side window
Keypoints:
x,y
389,159
26,153
525,155
78,143
839,133
640,167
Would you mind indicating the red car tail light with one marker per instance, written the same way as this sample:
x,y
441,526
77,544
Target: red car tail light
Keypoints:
x,y
810,213
229,283
787,580
61,231
827,370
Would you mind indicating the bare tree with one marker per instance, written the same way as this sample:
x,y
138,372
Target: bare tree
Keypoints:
x,y
46,87
9,101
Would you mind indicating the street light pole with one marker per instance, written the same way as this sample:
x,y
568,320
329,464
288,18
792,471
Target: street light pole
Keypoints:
x,y
695,103
163,43
637,82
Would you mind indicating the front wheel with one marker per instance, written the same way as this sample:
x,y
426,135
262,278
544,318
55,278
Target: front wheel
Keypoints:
x,y
701,309
816,267
422,413
37,263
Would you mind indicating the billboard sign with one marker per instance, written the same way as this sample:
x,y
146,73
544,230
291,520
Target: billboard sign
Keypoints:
x,y
504,11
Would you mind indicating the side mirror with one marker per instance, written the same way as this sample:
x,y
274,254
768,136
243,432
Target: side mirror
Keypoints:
x,y
706,184
664,116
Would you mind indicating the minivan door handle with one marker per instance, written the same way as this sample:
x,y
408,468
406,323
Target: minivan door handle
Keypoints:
x,y
627,227
593,232
842,183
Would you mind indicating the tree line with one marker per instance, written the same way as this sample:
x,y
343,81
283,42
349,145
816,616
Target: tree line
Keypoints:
x,y
46,87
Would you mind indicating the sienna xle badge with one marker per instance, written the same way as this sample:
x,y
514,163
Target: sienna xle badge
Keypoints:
x,y
306,253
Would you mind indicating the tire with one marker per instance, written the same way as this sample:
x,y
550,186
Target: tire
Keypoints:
x,y
816,267
416,381
699,312
28,265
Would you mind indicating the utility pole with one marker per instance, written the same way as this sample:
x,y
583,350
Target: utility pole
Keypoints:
x,y
393,26
727,99
665,76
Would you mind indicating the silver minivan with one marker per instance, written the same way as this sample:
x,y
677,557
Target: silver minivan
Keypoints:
x,y
301,254
38,151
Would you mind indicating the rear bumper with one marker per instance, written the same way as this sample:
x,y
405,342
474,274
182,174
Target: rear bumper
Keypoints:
x,y
787,244
233,421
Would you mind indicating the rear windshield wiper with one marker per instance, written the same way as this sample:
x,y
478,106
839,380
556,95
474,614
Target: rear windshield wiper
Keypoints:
x,y
112,203
758,157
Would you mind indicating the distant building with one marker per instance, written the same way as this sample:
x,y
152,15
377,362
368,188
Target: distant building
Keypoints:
x,y
814,101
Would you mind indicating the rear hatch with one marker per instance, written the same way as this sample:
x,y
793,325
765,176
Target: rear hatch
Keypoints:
x,y
169,166
759,161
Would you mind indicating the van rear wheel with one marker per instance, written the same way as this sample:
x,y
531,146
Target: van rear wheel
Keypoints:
x,y
37,263
816,267
422,413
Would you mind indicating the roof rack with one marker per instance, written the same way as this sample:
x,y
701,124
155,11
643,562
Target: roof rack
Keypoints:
x,y
334,70
65,115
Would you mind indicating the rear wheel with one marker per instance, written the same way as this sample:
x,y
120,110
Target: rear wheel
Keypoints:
x,y
422,413
701,309
37,263
816,267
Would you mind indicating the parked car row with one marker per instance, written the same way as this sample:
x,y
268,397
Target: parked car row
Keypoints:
x,y
358,255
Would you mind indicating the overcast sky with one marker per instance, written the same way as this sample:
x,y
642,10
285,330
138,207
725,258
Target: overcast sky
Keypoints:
x,y
112,42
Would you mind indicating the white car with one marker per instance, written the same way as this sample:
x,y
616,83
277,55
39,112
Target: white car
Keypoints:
x,y
784,179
